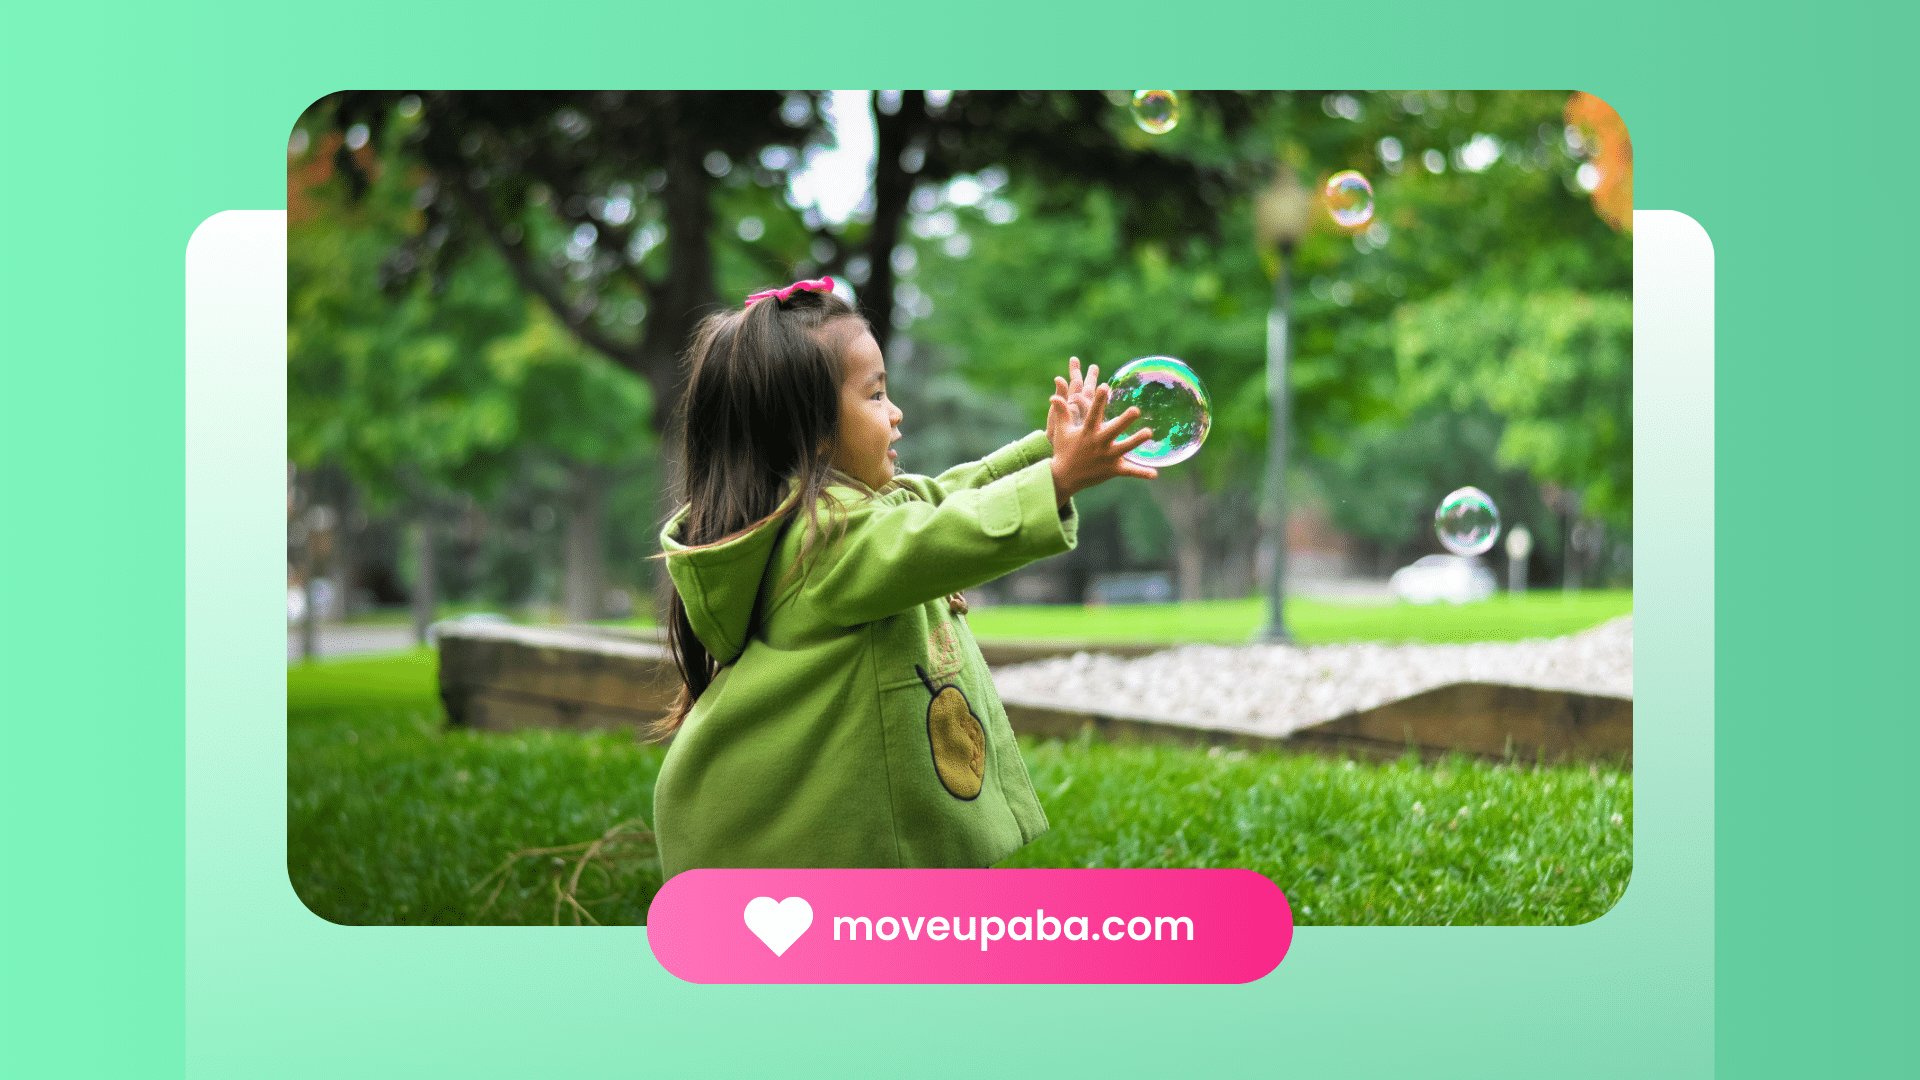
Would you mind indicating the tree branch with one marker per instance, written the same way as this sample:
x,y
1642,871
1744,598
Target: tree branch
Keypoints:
x,y
479,208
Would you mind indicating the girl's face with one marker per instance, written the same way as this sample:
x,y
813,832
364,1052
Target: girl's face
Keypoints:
x,y
869,423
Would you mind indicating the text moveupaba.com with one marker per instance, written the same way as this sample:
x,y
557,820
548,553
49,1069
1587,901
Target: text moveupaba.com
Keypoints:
x,y
1037,927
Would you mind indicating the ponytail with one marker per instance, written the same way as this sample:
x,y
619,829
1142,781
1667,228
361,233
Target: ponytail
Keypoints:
x,y
755,430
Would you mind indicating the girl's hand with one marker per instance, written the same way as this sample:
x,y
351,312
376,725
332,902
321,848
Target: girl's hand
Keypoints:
x,y
1078,394
1085,453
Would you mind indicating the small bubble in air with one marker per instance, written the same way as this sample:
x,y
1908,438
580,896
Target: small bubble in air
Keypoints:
x,y
1156,111
1467,522
1350,199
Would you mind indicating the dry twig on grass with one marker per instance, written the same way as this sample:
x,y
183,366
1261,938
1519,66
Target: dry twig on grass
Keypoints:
x,y
623,844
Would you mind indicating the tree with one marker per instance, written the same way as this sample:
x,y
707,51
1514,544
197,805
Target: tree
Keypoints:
x,y
428,387
601,204
1557,366
387,385
576,409
1472,192
579,192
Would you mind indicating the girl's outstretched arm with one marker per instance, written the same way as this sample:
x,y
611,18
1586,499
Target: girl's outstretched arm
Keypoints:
x,y
899,552
1078,392
1009,459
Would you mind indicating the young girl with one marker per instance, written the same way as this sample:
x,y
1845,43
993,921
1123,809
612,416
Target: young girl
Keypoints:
x,y
836,711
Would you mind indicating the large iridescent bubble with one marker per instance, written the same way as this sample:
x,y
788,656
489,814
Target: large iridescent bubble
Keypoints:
x,y
1156,111
1349,199
1172,401
1467,521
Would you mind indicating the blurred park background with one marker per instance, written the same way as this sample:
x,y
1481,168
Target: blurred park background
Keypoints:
x,y
489,294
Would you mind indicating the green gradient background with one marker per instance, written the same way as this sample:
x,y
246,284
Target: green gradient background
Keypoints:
x,y
126,128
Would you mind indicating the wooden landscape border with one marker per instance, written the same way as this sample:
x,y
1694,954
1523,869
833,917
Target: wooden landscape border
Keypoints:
x,y
498,676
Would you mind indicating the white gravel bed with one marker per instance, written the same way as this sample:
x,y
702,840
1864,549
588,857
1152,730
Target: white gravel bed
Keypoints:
x,y
1276,689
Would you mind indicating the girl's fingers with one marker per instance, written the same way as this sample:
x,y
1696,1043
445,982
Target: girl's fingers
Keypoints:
x,y
1142,436
1144,472
1119,423
1060,386
1073,369
1097,408
1093,374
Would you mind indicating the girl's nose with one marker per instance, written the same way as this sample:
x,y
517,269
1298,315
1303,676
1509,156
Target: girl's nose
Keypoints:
x,y
897,414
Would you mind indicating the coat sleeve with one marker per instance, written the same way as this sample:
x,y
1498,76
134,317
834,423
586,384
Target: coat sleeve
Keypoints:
x,y
897,554
1002,463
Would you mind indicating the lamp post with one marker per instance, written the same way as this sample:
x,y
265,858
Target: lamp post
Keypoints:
x,y
1282,215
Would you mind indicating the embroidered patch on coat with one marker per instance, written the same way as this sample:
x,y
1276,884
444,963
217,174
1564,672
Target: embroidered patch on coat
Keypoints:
x,y
958,739
943,650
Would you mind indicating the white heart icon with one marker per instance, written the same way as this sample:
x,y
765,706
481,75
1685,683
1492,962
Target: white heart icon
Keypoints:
x,y
779,924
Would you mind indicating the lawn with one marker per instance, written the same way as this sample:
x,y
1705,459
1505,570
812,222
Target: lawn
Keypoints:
x,y
1457,842
1502,618
393,817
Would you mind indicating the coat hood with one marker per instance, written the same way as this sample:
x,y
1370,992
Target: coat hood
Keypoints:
x,y
720,583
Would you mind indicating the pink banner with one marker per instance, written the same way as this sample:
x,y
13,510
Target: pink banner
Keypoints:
x,y
970,926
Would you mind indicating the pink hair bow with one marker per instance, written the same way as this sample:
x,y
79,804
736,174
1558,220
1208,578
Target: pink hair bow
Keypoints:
x,y
816,285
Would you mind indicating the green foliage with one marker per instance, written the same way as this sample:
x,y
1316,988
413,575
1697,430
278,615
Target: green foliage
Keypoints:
x,y
1233,622
1051,286
1392,473
420,383
1461,842
569,401
1557,365
392,387
1502,218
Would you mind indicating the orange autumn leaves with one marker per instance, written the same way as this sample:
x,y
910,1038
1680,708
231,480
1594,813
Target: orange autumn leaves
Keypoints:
x,y
1610,151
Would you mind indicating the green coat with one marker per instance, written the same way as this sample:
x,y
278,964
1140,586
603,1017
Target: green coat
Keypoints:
x,y
854,723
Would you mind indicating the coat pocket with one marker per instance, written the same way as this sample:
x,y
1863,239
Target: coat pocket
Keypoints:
x,y
957,738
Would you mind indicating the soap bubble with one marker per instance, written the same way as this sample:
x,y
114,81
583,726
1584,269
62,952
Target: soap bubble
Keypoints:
x,y
1467,521
1156,111
1350,199
1172,401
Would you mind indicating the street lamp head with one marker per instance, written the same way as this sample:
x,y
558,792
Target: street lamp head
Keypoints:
x,y
1283,212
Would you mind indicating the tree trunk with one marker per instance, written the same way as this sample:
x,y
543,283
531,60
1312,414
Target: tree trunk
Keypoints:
x,y
585,543
309,570
426,597
892,188
346,548
1230,521
1184,505
685,297
687,294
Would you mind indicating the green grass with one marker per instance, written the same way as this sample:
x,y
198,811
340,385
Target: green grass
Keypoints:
x,y
1502,618
393,817
1546,613
1350,843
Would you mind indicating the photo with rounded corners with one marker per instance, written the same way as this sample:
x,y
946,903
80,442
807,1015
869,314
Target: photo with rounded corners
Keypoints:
x,y
584,526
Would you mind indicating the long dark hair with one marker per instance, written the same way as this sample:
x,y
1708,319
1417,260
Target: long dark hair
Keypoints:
x,y
755,437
